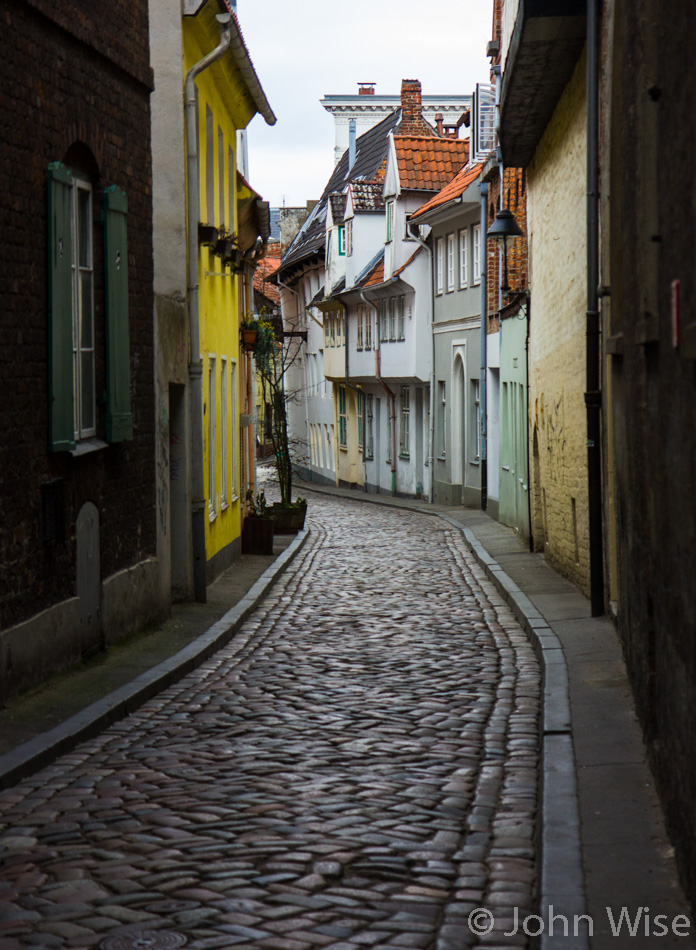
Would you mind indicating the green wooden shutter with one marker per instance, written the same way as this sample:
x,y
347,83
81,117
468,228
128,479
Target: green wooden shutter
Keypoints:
x,y
61,387
119,418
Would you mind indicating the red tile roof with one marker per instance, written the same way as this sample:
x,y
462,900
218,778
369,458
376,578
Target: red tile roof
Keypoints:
x,y
376,276
453,189
428,163
411,258
265,267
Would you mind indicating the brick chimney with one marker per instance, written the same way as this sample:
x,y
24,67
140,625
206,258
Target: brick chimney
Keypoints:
x,y
412,121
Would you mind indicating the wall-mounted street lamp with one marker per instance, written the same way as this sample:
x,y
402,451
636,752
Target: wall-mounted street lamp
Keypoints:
x,y
503,228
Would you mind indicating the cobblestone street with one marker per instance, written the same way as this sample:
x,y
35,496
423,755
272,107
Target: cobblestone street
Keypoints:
x,y
357,768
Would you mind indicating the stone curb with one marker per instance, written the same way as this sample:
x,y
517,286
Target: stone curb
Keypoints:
x,y
44,749
561,875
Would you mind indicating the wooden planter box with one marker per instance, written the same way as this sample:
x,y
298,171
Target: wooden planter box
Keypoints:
x,y
288,520
257,536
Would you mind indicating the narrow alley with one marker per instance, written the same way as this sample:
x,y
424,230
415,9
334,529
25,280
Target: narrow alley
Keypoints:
x,y
357,768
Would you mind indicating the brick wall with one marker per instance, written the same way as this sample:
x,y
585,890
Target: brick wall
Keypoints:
x,y
652,101
85,101
556,216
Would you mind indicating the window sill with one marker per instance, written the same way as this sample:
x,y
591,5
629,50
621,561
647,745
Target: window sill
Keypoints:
x,y
404,455
474,462
212,515
224,506
88,445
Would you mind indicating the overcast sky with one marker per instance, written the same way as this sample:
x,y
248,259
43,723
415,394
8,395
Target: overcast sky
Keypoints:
x,y
307,49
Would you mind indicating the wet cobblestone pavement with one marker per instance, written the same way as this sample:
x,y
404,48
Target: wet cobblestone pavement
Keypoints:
x,y
357,768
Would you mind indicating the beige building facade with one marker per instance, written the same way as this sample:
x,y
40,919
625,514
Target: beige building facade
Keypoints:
x,y
556,210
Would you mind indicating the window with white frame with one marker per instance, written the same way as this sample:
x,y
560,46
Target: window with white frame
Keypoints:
x,y
342,240
401,307
83,310
463,257
383,327
72,383
405,423
476,418
361,320
224,435
368,326
442,418
212,438
476,234
342,418
234,420
209,166
370,434
439,265
349,237
361,411
221,178
390,214
450,263
392,318
231,187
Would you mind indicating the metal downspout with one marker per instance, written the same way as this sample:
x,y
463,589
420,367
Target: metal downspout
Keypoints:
x,y
431,422
392,396
593,395
195,361
484,346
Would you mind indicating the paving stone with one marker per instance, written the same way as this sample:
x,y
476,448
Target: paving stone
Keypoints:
x,y
356,768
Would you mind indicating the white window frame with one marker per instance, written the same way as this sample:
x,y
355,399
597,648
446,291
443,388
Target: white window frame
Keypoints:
x,y
212,438
83,310
439,265
370,433
391,308
234,426
349,237
368,326
476,240
442,407
476,417
221,178
360,320
383,320
464,258
342,418
405,424
360,410
341,240
401,307
390,215
224,435
450,263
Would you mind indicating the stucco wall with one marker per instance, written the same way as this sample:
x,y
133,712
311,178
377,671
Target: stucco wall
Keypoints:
x,y
557,224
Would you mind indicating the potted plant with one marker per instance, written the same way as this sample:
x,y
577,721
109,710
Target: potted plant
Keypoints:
x,y
258,526
249,329
289,519
208,235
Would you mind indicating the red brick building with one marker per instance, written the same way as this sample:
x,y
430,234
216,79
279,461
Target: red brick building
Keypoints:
x,y
77,533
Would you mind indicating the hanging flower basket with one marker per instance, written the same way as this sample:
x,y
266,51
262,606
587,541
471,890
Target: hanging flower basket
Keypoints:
x,y
248,338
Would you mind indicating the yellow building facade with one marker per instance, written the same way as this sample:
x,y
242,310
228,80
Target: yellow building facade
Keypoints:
x,y
226,101
556,209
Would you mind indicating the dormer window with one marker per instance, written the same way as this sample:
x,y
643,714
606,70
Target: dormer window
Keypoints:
x,y
349,237
342,240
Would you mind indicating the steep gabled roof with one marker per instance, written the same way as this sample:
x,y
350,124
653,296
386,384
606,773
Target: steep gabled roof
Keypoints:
x,y
427,163
367,196
371,151
454,189
338,207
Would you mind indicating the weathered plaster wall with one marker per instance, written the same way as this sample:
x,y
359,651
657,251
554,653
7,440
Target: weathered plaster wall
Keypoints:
x,y
557,226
